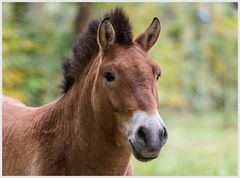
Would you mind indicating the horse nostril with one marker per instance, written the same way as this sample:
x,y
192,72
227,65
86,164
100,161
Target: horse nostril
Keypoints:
x,y
163,135
142,134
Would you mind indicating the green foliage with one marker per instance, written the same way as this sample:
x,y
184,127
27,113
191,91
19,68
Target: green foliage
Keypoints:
x,y
32,56
197,52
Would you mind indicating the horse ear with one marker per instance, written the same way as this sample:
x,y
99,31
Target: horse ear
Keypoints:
x,y
148,38
106,34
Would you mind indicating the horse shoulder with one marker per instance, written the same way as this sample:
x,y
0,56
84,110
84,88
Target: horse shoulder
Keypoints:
x,y
17,136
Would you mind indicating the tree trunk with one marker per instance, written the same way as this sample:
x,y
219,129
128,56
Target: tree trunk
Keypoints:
x,y
19,10
82,18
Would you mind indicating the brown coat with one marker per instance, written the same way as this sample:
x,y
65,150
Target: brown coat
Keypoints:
x,y
48,141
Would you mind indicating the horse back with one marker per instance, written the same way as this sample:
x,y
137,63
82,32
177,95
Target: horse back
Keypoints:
x,y
11,101
12,109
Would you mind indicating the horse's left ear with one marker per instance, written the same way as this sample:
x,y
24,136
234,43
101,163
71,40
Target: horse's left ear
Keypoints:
x,y
106,34
148,38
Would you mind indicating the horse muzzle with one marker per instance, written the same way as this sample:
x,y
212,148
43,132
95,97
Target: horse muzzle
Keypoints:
x,y
147,135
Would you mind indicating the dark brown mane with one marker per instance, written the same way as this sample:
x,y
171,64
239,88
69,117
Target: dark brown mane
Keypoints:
x,y
86,48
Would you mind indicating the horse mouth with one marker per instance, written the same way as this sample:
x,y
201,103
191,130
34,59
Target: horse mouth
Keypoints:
x,y
140,157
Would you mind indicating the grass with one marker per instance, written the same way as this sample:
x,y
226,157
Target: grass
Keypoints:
x,y
197,145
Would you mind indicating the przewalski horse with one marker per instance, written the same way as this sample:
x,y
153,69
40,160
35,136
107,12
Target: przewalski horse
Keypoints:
x,y
108,111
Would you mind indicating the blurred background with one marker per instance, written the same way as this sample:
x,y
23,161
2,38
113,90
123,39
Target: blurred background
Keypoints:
x,y
197,52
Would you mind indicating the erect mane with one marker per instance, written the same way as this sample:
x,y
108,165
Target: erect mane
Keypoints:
x,y
86,48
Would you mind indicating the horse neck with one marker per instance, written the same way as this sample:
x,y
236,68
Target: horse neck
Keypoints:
x,y
78,130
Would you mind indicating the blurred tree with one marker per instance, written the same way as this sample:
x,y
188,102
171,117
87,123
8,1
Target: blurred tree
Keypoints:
x,y
19,12
83,16
235,5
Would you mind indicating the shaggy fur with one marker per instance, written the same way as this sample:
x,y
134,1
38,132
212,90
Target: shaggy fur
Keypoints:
x,y
86,48
84,132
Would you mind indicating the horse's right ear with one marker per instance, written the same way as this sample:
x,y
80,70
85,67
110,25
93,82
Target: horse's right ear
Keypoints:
x,y
106,34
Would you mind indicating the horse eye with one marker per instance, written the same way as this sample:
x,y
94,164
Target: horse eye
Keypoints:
x,y
109,76
158,76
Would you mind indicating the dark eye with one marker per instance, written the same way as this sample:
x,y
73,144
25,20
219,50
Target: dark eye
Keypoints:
x,y
158,76
109,76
